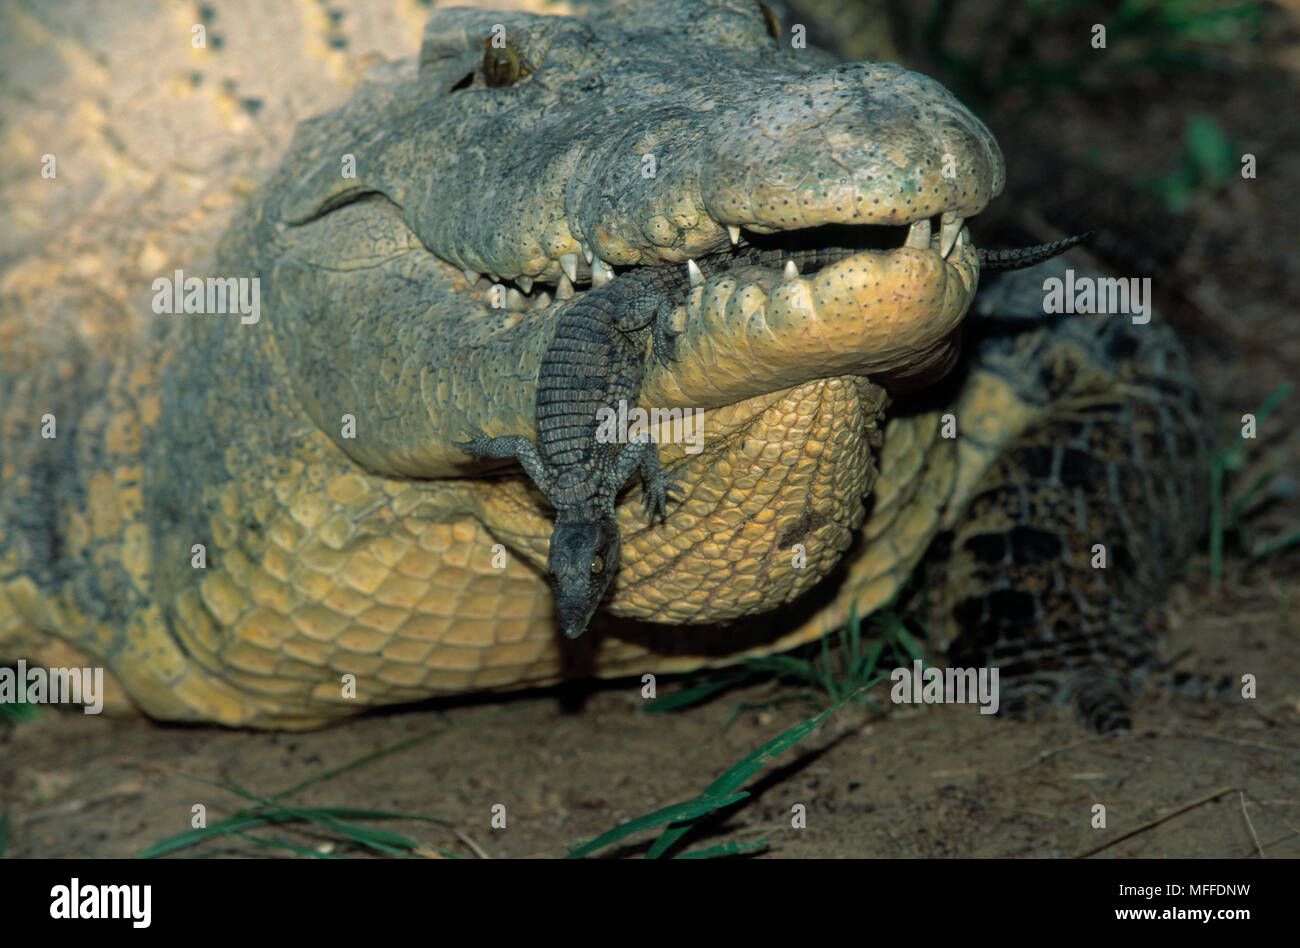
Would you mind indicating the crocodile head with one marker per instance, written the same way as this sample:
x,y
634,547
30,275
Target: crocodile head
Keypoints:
x,y
579,554
535,157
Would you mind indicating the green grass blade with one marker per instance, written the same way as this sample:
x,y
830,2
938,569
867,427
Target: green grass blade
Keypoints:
x,y
740,773
1237,517
726,849
258,815
899,635
827,676
1275,398
696,694
1232,457
688,810
234,826
331,818
852,639
784,665
871,660
276,844
1274,546
352,765
1217,467
231,826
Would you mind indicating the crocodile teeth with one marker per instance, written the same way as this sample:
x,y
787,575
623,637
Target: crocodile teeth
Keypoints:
x,y
516,300
564,289
542,300
949,232
524,283
790,272
471,276
918,235
693,270
734,233
586,252
600,272
569,264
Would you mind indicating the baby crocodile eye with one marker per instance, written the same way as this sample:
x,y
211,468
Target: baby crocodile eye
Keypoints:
x,y
597,565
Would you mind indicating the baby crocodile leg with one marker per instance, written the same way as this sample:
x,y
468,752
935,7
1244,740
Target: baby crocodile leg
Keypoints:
x,y
648,298
512,446
641,452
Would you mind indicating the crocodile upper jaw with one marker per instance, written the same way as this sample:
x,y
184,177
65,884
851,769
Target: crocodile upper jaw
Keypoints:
x,y
616,147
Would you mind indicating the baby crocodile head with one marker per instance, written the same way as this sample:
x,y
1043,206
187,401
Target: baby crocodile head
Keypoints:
x,y
582,561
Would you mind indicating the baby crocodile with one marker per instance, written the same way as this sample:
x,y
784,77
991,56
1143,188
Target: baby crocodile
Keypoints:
x,y
595,359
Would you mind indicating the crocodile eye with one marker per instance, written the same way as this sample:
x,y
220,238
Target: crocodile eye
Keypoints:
x,y
502,65
597,565
770,20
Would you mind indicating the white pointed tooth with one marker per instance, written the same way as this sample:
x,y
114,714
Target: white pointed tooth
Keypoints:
x,y
564,289
586,252
524,283
569,264
734,233
542,300
471,276
600,272
949,232
918,235
693,271
493,277
790,272
516,300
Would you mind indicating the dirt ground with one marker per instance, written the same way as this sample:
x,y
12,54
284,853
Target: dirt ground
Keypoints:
x,y
1193,779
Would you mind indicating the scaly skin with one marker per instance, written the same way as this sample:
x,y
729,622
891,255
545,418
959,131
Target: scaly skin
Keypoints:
x,y
594,364
387,555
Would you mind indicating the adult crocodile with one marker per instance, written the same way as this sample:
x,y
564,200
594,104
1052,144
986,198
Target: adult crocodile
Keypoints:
x,y
236,518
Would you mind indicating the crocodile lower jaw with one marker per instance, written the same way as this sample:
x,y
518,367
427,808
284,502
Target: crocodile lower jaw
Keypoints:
x,y
753,330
